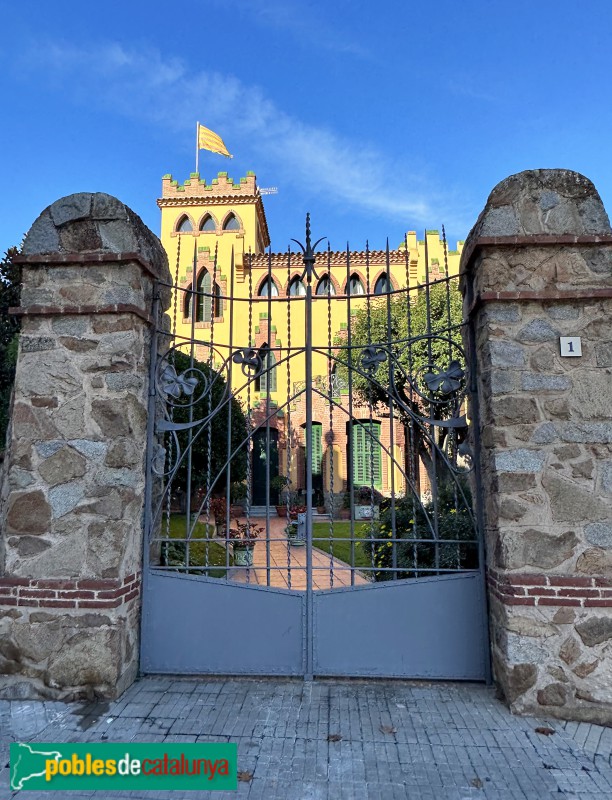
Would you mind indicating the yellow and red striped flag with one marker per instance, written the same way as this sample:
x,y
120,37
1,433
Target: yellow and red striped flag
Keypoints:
x,y
209,140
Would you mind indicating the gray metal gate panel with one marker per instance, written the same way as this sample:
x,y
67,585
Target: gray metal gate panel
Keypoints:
x,y
423,628
194,625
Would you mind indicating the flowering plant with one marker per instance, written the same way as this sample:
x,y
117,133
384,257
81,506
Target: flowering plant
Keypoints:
x,y
244,532
217,508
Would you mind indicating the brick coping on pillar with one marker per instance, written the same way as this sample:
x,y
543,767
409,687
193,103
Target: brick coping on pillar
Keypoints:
x,y
532,240
99,257
51,311
537,589
69,593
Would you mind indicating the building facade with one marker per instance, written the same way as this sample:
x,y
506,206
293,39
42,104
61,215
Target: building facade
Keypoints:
x,y
232,292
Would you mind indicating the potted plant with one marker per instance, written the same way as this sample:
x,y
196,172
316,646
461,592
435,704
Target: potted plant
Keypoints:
x,y
296,534
366,502
243,536
217,512
238,493
279,485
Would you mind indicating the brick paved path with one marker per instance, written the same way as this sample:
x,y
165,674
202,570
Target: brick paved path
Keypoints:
x,y
397,740
284,566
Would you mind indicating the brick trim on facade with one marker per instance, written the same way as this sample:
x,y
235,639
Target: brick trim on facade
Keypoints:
x,y
527,589
74,593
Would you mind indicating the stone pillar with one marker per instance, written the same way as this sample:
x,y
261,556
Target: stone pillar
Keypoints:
x,y
72,497
537,266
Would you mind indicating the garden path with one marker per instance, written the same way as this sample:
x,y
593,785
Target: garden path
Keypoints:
x,y
288,564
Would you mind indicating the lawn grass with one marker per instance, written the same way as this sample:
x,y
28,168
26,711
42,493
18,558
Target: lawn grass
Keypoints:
x,y
198,547
341,541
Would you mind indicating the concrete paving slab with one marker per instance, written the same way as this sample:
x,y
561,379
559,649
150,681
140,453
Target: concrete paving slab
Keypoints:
x,y
331,740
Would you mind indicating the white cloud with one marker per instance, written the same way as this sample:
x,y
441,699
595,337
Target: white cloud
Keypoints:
x,y
164,91
304,22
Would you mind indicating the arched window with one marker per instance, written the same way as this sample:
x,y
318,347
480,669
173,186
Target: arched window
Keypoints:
x,y
268,287
184,224
325,286
208,302
266,381
297,288
208,225
231,223
355,285
382,285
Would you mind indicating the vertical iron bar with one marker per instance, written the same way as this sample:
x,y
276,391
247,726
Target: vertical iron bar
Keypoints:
x,y
391,379
268,374
288,432
414,463
230,361
249,477
432,429
168,437
309,260
349,450
331,418
188,525
152,415
369,436
209,484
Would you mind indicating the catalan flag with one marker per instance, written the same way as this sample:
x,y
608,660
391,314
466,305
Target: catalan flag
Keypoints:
x,y
208,140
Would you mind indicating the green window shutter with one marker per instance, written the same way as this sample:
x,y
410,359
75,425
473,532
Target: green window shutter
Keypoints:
x,y
204,304
267,381
367,462
359,455
317,448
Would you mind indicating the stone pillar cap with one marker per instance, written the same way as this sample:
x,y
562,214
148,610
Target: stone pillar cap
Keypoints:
x,y
94,222
549,202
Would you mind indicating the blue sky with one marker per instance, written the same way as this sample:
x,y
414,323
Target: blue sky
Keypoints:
x,y
376,118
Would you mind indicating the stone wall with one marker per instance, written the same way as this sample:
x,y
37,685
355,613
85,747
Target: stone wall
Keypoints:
x,y
72,496
538,266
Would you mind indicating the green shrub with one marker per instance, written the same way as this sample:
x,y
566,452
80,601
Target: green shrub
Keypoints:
x,y
418,552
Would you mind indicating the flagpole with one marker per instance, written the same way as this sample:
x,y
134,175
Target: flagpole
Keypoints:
x,y
197,143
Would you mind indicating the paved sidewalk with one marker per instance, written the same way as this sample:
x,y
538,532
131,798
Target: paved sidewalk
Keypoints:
x,y
335,740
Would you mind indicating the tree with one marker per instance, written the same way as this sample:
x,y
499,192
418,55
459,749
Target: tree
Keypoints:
x,y
10,291
208,471
426,360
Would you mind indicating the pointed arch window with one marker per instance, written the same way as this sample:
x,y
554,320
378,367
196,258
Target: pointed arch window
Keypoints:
x,y
325,286
184,224
297,288
268,287
382,285
355,285
231,223
208,225
265,382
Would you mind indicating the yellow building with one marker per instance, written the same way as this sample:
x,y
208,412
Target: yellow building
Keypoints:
x,y
221,228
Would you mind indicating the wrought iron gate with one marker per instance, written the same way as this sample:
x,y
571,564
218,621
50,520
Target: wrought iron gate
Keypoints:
x,y
333,393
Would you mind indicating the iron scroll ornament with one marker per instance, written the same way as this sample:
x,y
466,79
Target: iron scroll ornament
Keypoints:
x,y
173,387
445,387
